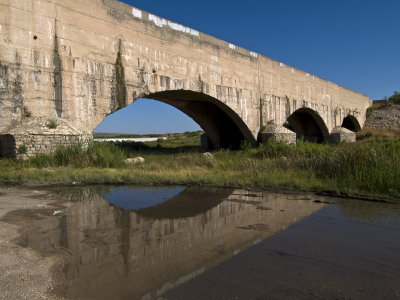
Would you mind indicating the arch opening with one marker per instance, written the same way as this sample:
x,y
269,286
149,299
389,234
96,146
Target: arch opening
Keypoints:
x,y
351,123
308,125
222,126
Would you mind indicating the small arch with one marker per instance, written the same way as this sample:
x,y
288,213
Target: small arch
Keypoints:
x,y
351,123
7,146
308,124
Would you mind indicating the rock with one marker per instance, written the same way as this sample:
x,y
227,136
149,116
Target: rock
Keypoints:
x,y
387,118
135,160
207,155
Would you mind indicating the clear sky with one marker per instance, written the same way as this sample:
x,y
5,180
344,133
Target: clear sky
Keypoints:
x,y
354,43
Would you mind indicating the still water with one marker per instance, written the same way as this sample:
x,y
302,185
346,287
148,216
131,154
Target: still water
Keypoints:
x,y
209,243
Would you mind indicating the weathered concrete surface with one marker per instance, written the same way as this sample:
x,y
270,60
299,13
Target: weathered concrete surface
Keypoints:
x,y
83,60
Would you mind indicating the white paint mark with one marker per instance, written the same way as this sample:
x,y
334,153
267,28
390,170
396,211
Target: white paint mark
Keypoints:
x,y
182,28
160,22
282,64
254,54
232,46
308,74
30,32
136,13
292,70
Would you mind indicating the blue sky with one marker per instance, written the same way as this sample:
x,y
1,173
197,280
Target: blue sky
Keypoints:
x,y
353,43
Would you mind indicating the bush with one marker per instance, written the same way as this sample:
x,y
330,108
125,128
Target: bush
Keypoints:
x,y
395,98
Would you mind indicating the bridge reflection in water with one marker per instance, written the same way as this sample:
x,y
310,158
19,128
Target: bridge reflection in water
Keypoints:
x,y
116,253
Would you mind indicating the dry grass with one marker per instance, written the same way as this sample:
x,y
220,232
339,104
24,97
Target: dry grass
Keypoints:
x,y
370,133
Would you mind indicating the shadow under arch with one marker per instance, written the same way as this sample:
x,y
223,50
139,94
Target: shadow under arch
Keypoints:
x,y
189,203
308,124
223,126
351,123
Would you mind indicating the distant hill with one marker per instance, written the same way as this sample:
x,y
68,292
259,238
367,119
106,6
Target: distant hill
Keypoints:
x,y
103,135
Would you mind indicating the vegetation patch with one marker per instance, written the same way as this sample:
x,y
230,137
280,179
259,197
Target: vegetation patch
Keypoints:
x,y
52,124
369,167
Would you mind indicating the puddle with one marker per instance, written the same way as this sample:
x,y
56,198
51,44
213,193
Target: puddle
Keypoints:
x,y
147,242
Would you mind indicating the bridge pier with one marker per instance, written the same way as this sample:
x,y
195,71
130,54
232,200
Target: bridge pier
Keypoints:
x,y
341,134
206,143
276,132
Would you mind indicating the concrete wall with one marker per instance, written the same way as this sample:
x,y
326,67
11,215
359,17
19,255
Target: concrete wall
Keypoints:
x,y
82,60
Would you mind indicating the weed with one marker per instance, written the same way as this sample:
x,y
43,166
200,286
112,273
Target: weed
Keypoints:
x,y
22,149
370,111
52,124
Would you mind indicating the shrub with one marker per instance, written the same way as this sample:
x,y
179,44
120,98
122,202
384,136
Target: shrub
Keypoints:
x,y
370,110
395,98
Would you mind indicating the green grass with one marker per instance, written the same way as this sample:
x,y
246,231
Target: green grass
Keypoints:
x,y
370,167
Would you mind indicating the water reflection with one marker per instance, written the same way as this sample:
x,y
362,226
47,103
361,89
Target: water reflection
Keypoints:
x,y
370,210
138,198
114,253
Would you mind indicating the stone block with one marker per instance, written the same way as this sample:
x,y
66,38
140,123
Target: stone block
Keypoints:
x,y
342,135
278,133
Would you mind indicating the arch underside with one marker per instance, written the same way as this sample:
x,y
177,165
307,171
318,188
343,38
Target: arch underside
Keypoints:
x,y
224,128
351,123
308,125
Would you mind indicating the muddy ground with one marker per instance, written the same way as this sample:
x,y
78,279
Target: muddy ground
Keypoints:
x,y
24,274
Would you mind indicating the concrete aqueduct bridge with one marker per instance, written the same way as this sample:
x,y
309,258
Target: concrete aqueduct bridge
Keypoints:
x,y
65,65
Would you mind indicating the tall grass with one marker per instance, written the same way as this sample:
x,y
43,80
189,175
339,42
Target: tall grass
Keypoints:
x,y
372,166
101,155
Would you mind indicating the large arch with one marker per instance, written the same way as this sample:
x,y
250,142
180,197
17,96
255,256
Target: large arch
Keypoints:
x,y
223,126
308,124
351,123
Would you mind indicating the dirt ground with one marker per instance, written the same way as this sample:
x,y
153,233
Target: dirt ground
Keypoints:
x,y
24,274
